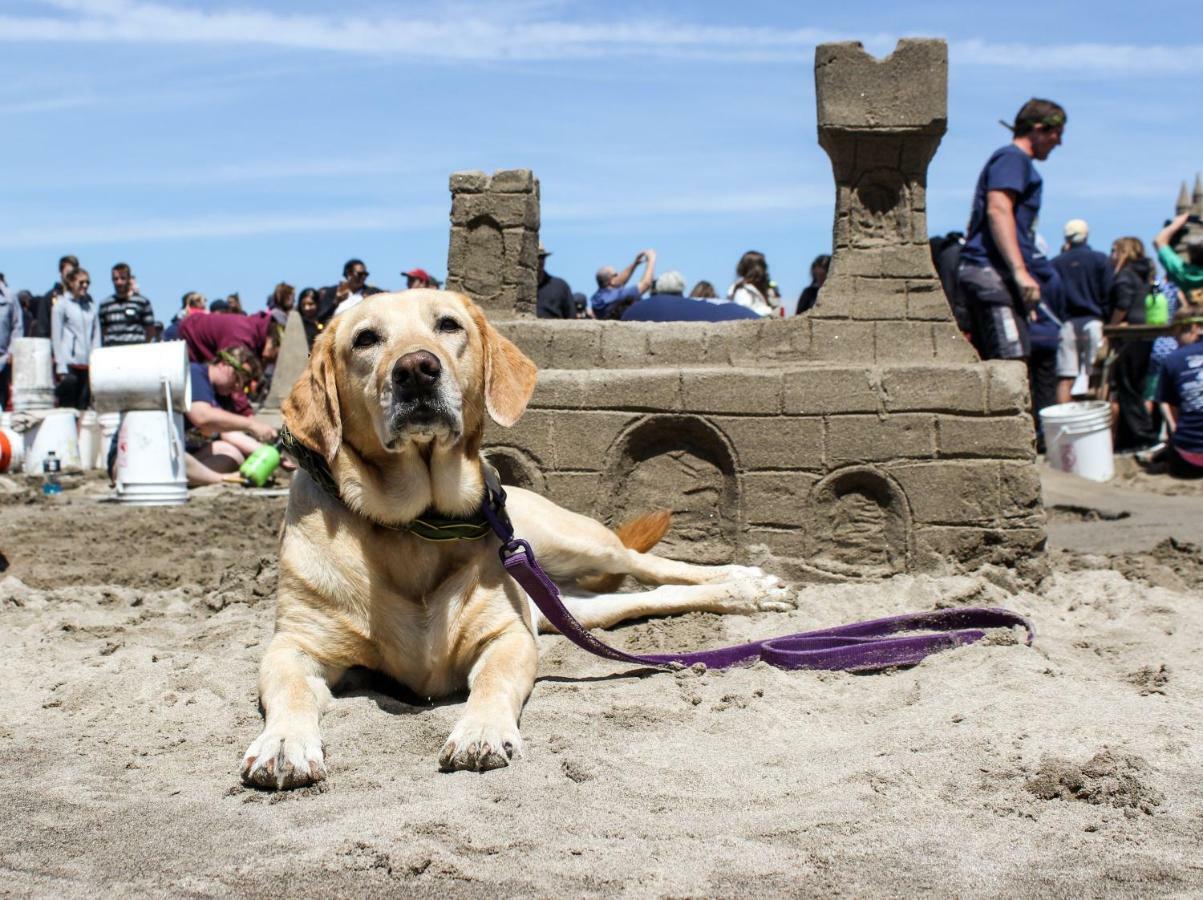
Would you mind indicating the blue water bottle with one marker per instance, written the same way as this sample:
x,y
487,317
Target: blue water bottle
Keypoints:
x,y
51,466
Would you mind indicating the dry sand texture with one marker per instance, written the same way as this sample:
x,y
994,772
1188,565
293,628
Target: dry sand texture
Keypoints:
x,y
131,640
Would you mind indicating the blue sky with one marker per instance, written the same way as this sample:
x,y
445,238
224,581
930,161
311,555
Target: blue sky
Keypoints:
x,y
220,146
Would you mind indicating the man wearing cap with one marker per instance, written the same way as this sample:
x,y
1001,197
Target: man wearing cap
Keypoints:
x,y
1188,274
613,294
995,272
417,278
555,296
1086,276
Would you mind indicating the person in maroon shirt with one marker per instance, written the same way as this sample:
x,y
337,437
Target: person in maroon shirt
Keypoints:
x,y
206,335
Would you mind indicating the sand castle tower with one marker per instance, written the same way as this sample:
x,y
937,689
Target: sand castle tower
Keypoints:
x,y
861,440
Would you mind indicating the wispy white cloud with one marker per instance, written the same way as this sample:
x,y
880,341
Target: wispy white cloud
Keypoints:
x,y
480,35
526,31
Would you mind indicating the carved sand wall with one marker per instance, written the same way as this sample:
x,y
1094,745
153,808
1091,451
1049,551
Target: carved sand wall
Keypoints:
x,y
861,440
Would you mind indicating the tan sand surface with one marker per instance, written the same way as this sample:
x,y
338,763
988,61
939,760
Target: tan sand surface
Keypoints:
x,y
131,640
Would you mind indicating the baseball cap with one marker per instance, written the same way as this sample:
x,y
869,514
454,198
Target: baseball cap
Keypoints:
x,y
543,251
1076,230
419,274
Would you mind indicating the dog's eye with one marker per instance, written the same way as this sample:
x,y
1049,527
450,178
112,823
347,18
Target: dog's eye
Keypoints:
x,y
448,324
366,338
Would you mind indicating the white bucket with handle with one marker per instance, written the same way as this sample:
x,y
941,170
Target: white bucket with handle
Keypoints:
x,y
150,468
33,374
1077,438
56,433
127,378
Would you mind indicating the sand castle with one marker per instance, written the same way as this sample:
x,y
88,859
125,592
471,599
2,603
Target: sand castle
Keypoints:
x,y
860,440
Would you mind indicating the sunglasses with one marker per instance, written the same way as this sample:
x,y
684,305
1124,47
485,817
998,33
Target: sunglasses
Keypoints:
x,y
362,273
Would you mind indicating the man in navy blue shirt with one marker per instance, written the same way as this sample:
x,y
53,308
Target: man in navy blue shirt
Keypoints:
x,y
994,273
1086,276
669,304
613,294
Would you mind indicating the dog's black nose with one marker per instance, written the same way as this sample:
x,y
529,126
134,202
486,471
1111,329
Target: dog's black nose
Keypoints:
x,y
419,369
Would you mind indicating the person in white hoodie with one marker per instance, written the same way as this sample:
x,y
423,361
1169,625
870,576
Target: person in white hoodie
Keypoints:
x,y
74,334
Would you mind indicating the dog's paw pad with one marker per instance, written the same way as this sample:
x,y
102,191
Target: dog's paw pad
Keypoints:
x,y
478,747
282,762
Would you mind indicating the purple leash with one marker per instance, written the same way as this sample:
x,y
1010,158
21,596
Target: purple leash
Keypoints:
x,y
858,647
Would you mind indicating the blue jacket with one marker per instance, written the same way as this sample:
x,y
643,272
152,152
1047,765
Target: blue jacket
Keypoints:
x,y
1086,278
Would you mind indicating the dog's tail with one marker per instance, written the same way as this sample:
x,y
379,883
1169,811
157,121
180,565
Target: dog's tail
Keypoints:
x,y
641,534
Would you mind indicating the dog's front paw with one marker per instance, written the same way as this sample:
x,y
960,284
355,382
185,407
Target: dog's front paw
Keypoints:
x,y
764,593
480,746
284,761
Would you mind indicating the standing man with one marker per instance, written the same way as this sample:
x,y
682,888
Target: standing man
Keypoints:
x,y
999,273
614,295
995,268
126,317
74,334
11,326
348,293
555,296
1086,277
38,324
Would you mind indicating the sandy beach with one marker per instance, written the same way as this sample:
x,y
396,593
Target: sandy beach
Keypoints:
x,y
132,638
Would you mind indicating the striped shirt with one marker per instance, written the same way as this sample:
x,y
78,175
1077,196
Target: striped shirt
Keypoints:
x,y
125,321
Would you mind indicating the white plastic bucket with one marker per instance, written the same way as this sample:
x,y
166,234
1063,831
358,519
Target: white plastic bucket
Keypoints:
x,y
125,378
56,432
150,459
89,439
1078,438
33,374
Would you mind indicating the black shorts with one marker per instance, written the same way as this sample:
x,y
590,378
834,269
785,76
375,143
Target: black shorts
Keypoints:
x,y
1000,331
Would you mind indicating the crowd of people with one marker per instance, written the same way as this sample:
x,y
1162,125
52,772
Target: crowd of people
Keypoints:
x,y
231,352
1014,300
1010,296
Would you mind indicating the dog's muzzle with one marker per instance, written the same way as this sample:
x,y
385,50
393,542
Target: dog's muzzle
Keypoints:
x,y
420,404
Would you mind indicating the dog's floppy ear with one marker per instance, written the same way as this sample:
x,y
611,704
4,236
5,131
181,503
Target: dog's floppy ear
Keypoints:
x,y
509,374
311,408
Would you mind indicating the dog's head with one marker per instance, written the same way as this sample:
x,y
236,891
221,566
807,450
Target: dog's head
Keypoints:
x,y
416,367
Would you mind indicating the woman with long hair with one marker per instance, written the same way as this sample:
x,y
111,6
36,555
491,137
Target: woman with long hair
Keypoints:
x,y
1132,425
753,288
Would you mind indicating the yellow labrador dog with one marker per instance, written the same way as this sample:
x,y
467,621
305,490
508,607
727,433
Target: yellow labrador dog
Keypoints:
x,y
393,408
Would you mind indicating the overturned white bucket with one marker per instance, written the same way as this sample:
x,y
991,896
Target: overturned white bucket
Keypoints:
x,y
150,468
55,433
135,377
33,374
1077,438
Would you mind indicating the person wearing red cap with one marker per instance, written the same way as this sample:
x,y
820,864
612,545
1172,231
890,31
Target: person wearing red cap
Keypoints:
x,y
416,278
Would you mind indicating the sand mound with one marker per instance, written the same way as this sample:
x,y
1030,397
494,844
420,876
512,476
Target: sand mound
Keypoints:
x,y
1121,780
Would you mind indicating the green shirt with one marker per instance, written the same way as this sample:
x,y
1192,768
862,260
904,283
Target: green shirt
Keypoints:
x,y
1183,274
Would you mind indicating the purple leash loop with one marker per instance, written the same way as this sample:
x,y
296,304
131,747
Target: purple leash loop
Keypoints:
x,y
858,647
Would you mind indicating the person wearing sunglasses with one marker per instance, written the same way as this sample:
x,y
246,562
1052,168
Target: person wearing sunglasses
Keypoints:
x,y
74,334
347,293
